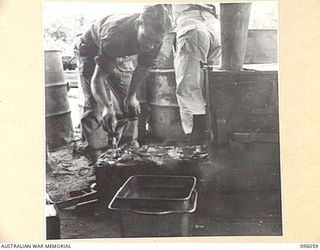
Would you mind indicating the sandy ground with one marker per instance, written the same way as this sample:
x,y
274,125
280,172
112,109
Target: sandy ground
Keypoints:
x,y
68,172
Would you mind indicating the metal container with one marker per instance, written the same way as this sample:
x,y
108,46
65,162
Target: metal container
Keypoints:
x,y
143,222
156,191
165,57
59,129
165,123
245,124
108,187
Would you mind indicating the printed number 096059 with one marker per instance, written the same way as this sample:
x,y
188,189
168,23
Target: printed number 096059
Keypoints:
x,y
308,245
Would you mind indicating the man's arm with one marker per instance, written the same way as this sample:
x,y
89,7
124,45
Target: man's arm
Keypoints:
x,y
98,88
145,62
100,94
138,77
131,104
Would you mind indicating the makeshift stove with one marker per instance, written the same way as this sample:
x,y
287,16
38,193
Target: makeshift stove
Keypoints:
x,y
114,168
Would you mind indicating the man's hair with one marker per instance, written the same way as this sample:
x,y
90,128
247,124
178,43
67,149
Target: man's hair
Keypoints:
x,y
157,16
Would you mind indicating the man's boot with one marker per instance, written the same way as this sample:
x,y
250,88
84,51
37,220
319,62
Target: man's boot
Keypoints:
x,y
198,135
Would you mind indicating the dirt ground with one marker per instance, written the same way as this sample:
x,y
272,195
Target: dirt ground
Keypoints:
x,y
67,175
68,169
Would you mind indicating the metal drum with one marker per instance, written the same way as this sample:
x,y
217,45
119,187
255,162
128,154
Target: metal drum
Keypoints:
x,y
165,113
165,123
59,130
234,33
165,57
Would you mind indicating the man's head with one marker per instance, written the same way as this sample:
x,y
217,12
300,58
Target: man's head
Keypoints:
x,y
154,24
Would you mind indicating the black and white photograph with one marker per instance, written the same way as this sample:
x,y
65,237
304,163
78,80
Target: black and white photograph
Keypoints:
x,y
161,120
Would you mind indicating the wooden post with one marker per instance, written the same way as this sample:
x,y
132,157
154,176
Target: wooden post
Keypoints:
x,y
234,32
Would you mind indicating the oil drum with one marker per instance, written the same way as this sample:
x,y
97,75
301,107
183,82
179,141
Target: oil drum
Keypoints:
x,y
59,129
165,122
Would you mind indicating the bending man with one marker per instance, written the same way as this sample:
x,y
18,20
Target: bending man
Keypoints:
x,y
108,84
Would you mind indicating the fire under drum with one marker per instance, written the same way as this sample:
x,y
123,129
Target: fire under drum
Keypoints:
x,y
59,130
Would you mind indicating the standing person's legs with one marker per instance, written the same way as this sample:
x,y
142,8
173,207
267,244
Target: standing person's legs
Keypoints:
x,y
191,48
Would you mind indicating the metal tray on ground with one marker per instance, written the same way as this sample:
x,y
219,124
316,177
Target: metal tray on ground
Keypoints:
x,y
165,192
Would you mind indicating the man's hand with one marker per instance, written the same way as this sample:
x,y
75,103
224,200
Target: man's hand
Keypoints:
x,y
109,121
131,106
